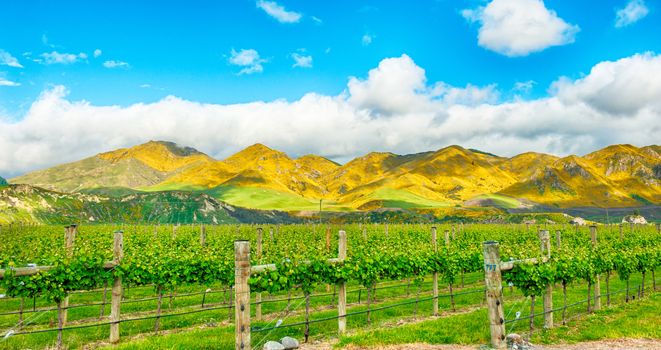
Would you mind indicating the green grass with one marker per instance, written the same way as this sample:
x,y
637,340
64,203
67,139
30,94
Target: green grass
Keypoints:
x,y
639,319
499,201
211,330
636,319
393,198
267,199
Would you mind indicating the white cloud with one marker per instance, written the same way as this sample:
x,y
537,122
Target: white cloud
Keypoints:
x,y
317,20
367,39
116,64
248,59
519,27
97,53
632,13
5,82
278,12
300,60
7,59
60,58
524,86
145,86
623,87
470,95
393,109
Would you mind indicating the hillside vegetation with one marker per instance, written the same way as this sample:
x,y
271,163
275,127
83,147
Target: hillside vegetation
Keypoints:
x,y
263,178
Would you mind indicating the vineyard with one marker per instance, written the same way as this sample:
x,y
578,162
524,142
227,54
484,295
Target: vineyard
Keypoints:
x,y
95,285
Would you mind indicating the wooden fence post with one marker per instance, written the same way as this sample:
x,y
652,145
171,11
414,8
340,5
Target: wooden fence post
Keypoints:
x,y
434,242
558,239
203,236
342,286
258,296
242,294
447,246
544,236
116,296
69,239
494,287
597,283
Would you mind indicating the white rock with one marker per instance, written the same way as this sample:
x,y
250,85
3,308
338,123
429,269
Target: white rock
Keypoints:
x,y
273,345
289,343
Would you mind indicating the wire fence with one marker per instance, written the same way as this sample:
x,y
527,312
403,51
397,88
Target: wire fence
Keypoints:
x,y
417,298
229,306
635,290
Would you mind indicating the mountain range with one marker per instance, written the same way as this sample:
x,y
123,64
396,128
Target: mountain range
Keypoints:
x,y
263,178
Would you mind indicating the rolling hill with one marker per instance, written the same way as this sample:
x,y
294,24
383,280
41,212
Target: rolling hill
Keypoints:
x,y
136,167
264,178
26,203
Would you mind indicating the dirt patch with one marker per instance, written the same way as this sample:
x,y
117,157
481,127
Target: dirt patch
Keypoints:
x,y
614,344
417,346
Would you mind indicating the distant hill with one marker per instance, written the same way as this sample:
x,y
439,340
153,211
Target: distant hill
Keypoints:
x,y
3,182
140,166
26,203
264,178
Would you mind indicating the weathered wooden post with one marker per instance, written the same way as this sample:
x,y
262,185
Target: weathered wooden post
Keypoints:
x,y
242,297
545,238
116,296
69,239
597,283
621,233
342,286
434,242
203,235
258,296
494,291
447,246
558,239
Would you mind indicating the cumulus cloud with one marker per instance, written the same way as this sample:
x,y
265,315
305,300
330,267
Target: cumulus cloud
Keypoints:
x,y
278,12
7,59
300,60
55,57
393,108
248,59
399,86
632,13
519,27
97,53
116,64
623,87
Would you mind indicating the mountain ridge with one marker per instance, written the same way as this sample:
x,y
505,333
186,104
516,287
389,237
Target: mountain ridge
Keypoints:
x,y
261,177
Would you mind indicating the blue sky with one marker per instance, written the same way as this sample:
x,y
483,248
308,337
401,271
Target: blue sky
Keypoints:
x,y
190,50
183,50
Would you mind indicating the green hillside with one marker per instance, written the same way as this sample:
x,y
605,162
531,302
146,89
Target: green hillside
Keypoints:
x,y
24,203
